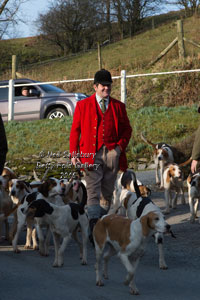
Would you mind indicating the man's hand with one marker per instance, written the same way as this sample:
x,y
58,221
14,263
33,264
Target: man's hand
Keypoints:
x,y
194,165
75,160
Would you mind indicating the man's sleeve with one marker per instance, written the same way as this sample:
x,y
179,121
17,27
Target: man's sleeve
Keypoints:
x,y
196,146
3,145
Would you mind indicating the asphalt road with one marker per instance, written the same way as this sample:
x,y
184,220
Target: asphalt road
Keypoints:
x,y
29,276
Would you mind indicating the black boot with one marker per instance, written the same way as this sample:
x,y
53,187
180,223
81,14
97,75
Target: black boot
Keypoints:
x,y
92,222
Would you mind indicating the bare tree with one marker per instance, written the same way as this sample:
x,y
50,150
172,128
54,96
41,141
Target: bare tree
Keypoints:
x,y
132,12
191,6
118,8
9,15
70,24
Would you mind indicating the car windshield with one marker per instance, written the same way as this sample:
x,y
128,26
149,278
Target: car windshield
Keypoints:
x,y
48,88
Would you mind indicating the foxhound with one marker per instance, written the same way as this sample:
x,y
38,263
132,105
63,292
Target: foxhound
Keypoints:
x,y
126,238
63,220
163,155
193,183
173,181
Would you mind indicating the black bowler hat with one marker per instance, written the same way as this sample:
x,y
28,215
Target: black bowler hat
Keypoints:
x,y
103,77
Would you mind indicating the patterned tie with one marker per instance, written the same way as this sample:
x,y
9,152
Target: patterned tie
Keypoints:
x,y
103,105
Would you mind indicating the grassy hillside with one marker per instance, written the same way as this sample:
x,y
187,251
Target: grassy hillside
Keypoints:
x,y
133,55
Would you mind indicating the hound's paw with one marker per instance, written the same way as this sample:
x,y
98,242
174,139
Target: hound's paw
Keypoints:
x,y
105,275
126,282
84,262
192,220
35,247
44,253
134,291
27,247
99,283
166,212
55,265
17,251
163,267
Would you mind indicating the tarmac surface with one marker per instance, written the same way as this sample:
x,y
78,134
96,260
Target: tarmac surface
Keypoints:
x,y
28,275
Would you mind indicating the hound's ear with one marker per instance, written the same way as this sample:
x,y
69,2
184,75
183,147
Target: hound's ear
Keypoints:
x,y
31,197
145,227
39,213
6,177
43,189
42,208
189,179
47,208
37,209
169,175
126,200
165,153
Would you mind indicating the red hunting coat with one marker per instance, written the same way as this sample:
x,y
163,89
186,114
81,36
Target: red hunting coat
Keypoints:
x,y
83,136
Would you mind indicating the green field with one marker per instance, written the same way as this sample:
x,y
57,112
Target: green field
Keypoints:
x,y
26,140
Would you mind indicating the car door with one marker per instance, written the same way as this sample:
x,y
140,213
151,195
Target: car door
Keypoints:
x,y
4,102
26,108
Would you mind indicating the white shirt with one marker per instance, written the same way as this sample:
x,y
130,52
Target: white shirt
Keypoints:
x,y
99,100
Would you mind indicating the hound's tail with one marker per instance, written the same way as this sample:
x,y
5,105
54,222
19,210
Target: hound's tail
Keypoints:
x,y
84,197
136,187
147,141
185,163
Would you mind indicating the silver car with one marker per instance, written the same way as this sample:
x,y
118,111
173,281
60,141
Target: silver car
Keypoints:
x,y
42,101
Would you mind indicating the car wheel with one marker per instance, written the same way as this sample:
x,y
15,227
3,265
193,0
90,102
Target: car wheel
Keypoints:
x,y
56,113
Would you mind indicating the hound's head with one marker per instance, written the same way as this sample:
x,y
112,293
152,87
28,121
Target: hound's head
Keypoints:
x,y
161,154
27,200
38,209
69,187
51,187
193,181
154,222
18,189
174,171
7,175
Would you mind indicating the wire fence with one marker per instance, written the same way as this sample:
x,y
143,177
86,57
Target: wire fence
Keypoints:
x,y
123,76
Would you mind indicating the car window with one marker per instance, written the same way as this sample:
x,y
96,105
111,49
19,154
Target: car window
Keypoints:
x,y
18,90
48,88
3,93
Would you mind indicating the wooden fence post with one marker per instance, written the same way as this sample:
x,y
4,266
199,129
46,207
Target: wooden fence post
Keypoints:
x,y
14,66
99,56
180,35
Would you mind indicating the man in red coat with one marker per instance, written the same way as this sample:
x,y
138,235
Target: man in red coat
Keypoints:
x,y
99,135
